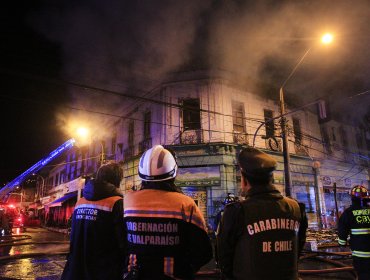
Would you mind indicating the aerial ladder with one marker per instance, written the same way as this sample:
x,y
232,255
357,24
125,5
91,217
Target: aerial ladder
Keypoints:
x,y
8,188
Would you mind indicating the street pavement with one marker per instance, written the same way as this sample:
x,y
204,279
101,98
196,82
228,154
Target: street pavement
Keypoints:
x,y
42,257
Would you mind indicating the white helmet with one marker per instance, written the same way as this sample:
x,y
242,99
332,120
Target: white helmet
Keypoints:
x,y
157,164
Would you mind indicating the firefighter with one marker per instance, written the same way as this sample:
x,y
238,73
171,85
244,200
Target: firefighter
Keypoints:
x,y
97,236
261,236
4,223
230,198
166,233
355,222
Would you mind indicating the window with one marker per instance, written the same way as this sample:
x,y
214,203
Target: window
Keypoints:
x,y
147,121
333,134
326,140
344,137
359,141
83,160
191,114
297,131
131,134
56,179
114,145
270,126
238,116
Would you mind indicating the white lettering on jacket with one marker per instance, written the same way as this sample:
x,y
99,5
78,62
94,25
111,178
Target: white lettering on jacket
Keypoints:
x,y
272,224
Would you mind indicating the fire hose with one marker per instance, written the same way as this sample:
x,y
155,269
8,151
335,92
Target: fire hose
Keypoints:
x,y
316,255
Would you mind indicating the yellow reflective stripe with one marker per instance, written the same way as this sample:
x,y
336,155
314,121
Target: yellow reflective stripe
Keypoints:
x,y
342,242
168,264
361,254
132,262
356,231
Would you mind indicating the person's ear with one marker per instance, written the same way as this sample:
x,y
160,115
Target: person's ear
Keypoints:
x,y
245,184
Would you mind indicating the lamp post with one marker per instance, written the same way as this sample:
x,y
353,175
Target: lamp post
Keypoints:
x,y
325,39
83,137
40,193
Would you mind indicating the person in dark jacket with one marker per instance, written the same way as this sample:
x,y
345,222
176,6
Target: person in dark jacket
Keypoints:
x,y
355,221
261,236
97,237
166,232
230,198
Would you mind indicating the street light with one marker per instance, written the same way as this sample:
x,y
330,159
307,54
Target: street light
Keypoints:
x,y
83,136
325,39
40,193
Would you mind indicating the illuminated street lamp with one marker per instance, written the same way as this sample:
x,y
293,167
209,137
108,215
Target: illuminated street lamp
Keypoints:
x,y
82,132
83,136
326,39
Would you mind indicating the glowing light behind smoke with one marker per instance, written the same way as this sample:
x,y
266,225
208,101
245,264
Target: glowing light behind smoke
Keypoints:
x,y
327,38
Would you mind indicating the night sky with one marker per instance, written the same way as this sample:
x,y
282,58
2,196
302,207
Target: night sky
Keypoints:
x,y
53,52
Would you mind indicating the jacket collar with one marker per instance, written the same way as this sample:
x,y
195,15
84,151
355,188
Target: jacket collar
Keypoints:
x,y
96,190
263,190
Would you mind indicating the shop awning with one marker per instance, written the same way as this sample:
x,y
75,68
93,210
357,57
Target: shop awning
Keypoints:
x,y
59,201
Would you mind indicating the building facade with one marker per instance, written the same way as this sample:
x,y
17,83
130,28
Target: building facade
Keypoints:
x,y
206,118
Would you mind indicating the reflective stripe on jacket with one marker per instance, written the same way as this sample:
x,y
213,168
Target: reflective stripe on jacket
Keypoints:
x,y
166,234
355,222
96,248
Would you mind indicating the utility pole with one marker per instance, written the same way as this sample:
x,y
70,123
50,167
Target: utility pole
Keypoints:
x,y
316,168
286,156
102,154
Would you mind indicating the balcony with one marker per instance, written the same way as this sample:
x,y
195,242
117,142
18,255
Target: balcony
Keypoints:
x,y
273,144
240,138
300,149
145,145
129,152
191,137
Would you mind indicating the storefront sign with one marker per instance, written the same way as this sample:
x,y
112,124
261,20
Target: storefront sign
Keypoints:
x,y
348,182
199,195
326,180
198,176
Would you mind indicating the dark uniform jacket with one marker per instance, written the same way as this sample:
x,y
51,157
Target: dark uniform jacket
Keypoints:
x,y
261,237
355,221
166,235
97,237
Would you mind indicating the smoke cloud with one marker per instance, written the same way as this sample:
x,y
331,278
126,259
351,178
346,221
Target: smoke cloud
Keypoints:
x,y
132,45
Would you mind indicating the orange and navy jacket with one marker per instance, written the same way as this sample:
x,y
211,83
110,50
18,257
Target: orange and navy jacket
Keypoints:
x,y
97,237
166,235
355,221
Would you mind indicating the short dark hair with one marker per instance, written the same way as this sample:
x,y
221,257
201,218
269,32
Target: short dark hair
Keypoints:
x,y
259,180
111,173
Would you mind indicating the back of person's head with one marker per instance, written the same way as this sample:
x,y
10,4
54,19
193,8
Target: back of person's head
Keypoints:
x,y
157,164
110,173
256,166
359,194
